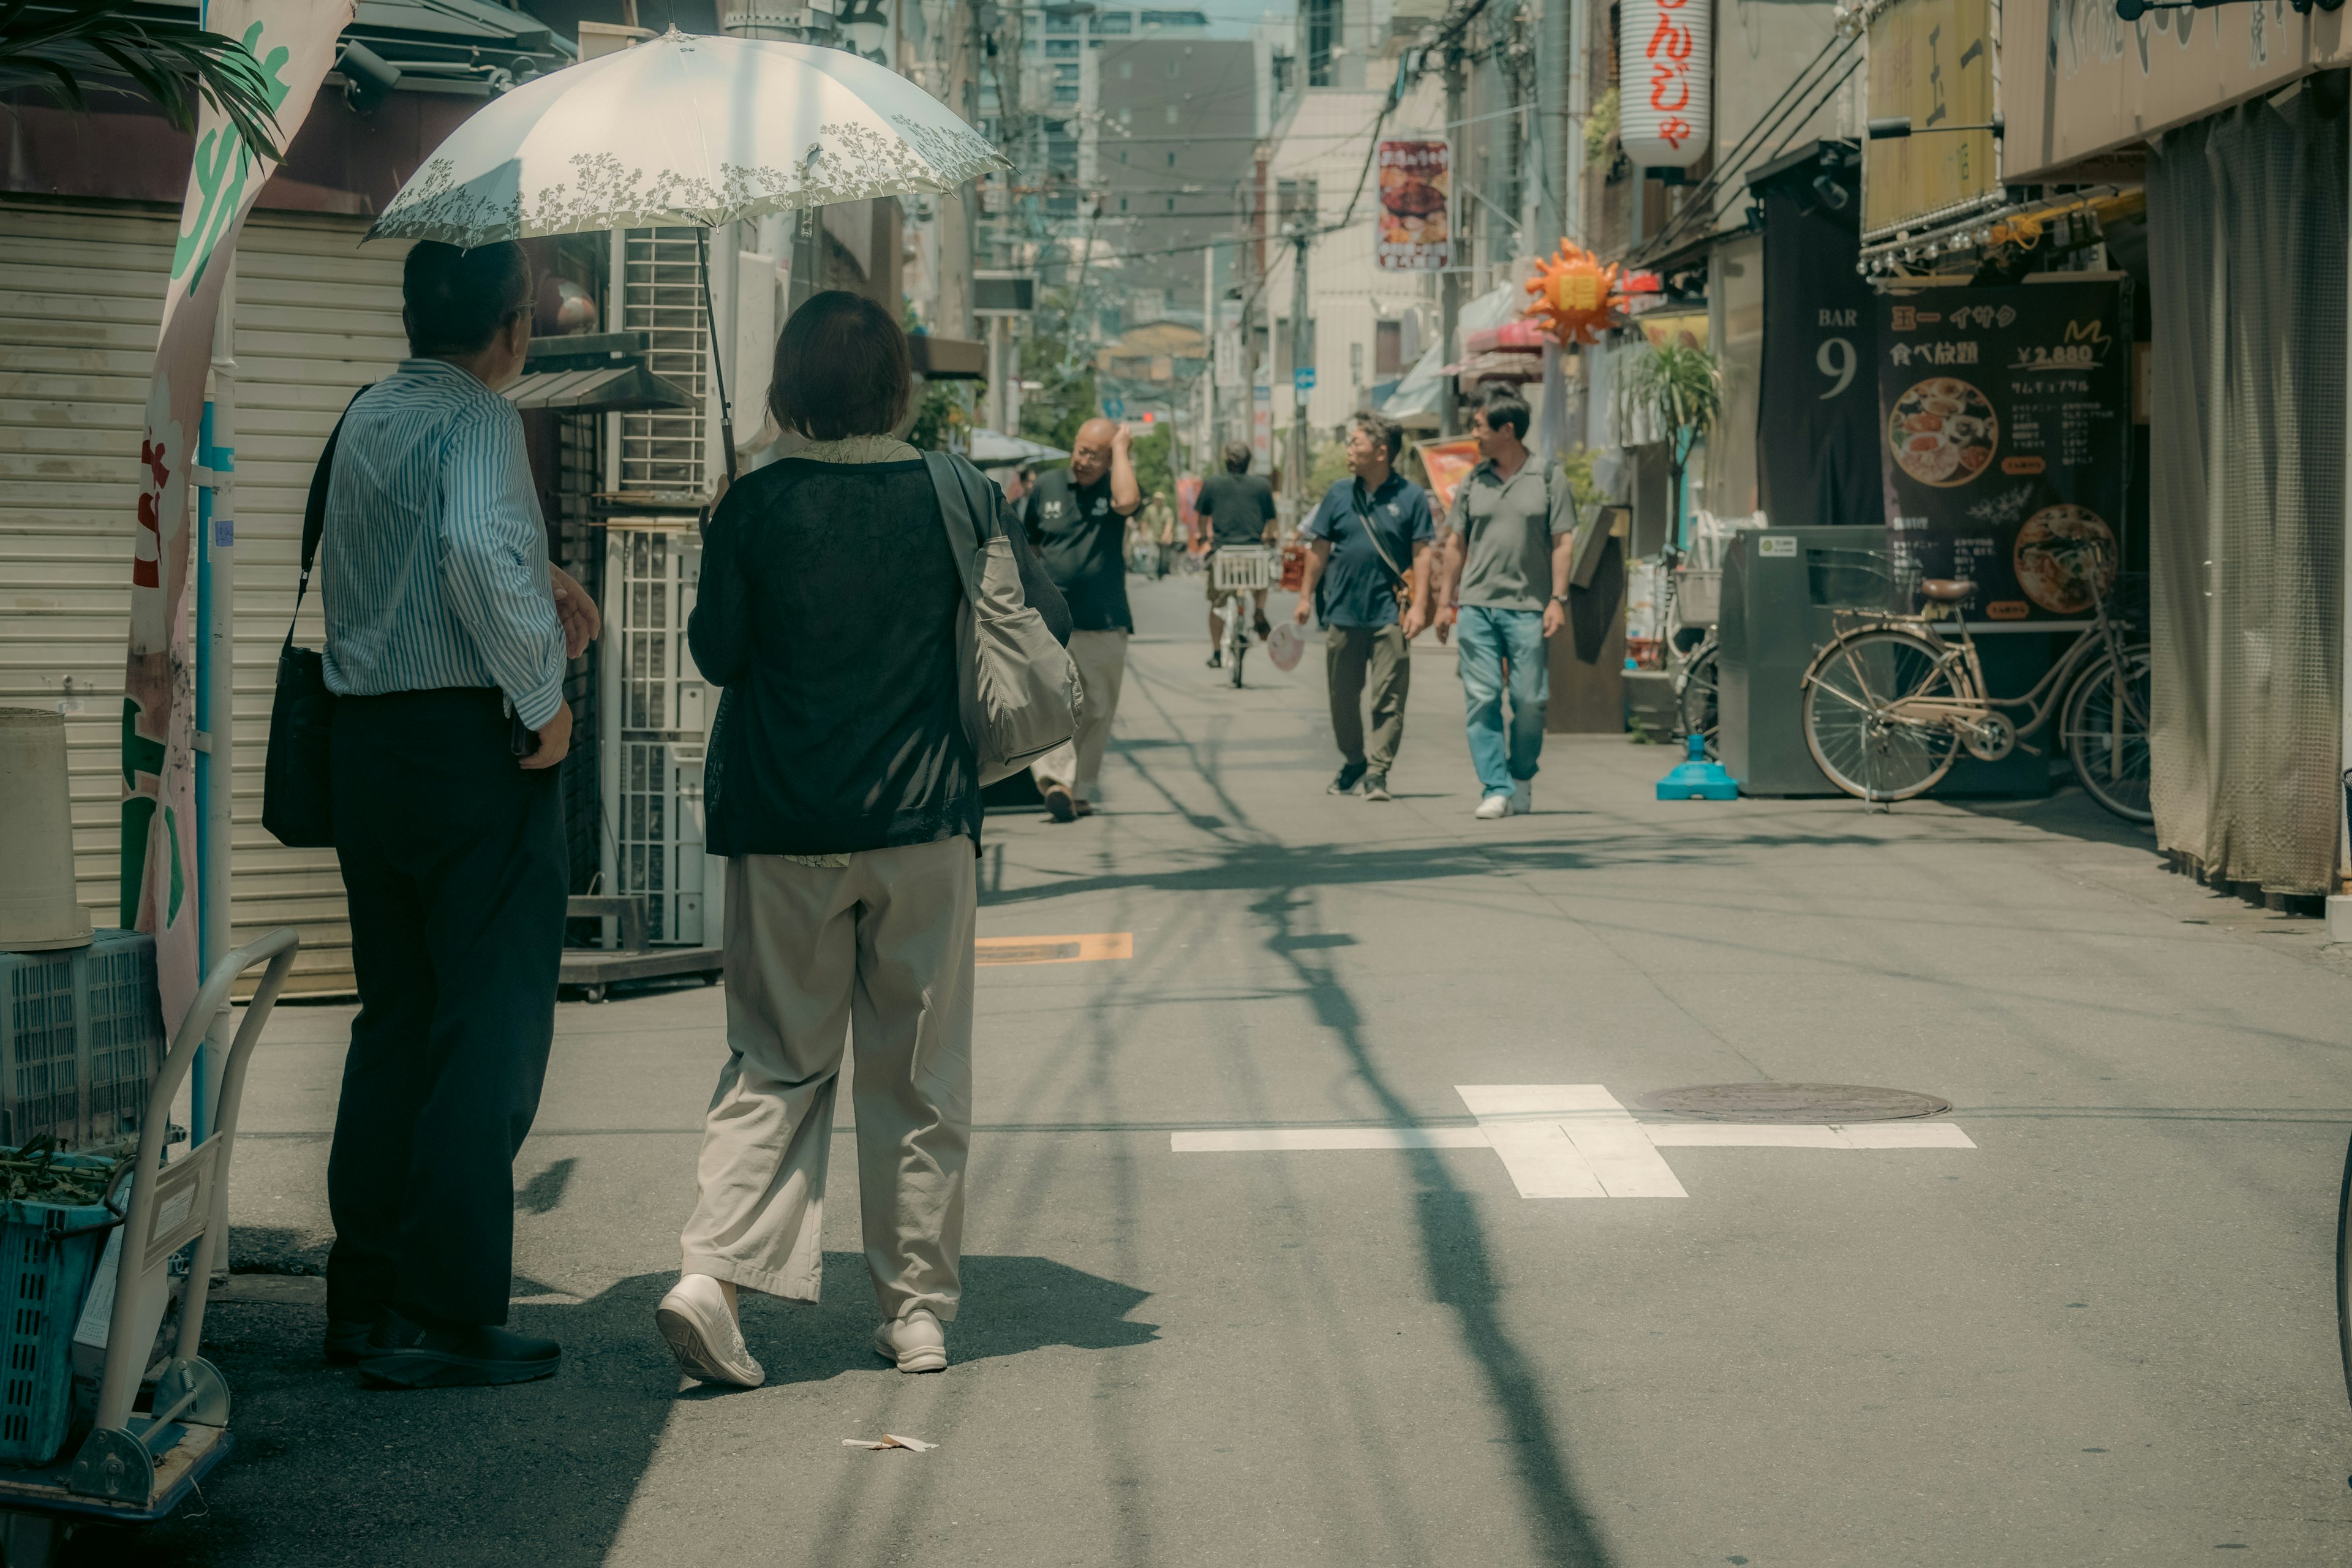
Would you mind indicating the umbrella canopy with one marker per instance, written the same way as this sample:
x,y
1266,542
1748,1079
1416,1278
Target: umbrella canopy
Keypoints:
x,y
994,449
685,130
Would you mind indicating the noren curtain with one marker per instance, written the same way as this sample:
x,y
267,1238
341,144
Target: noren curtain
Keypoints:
x,y
2246,254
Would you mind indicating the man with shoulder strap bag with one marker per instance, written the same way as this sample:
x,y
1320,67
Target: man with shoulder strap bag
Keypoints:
x,y
447,637
1367,574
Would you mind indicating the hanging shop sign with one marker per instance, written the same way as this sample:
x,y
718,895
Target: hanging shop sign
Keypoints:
x,y
1416,183
1817,419
2005,421
1666,50
1932,61
2082,84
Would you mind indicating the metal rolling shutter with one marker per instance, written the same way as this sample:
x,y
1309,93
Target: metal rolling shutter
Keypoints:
x,y
81,289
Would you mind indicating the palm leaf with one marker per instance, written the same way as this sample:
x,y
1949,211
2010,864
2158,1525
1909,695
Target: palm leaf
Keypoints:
x,y
69,49
1680,387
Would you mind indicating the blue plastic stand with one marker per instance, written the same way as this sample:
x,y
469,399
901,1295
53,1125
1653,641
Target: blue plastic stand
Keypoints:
x,y
1698,779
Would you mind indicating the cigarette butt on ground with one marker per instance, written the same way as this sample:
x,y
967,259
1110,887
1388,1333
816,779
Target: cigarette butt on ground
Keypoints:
x,y
890,1440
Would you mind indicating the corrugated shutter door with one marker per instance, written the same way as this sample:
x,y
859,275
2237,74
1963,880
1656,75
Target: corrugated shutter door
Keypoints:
x,y
82,293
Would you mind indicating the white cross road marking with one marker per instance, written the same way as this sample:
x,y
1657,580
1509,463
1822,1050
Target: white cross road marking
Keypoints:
x,y
1575,1141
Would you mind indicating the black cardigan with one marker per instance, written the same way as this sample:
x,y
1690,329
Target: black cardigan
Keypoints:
x,y
827,609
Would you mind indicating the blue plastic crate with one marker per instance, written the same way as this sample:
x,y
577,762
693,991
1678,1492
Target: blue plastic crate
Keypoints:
x,y
82,1037
47,1255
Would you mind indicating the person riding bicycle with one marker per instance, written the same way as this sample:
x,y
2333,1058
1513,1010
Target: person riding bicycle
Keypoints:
x,y
1238,507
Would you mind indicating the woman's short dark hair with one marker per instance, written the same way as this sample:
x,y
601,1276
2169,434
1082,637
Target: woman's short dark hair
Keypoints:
x,y
1504,407
841,369
1237,457
454,301
1387,432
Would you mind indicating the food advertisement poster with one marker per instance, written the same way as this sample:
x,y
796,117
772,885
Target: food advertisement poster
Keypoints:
x,y
2004,418
1416,183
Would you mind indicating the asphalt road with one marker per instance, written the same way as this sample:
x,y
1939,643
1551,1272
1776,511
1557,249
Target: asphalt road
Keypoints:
x,y
2102,1334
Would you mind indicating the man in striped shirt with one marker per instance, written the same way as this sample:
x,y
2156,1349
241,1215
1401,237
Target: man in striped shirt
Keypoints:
x,y
448,633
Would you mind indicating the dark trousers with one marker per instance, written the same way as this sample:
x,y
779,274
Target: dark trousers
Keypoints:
x,y
454,860
1352,658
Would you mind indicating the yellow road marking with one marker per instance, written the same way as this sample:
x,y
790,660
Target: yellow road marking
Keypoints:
x,y
1055,949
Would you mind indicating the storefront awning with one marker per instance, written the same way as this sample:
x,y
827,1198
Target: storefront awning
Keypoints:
x,y
602,389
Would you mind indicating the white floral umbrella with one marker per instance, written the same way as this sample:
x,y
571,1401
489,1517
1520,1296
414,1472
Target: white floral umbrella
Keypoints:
x,y
684,130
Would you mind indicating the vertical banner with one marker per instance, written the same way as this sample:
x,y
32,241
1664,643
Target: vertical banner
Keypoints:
x,y
1816,437
294,43
2006,415
1416,188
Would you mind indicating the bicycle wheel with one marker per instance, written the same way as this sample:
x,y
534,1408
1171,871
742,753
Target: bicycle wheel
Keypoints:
x,y
2344,1272
1695,699
2106,736
1854,727
1240,648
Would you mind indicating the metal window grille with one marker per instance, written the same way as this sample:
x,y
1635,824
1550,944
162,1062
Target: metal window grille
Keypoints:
x,y
666,449
656,805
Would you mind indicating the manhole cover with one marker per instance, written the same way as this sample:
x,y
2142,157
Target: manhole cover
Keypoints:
x,y
1835,1103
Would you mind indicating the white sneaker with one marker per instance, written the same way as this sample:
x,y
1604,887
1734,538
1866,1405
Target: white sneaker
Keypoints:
x,y
703,1335
1523,797
1492,808
915,1341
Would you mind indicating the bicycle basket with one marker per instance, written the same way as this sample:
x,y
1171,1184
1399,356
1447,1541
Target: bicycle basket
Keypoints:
x,y
1851,579
1239,569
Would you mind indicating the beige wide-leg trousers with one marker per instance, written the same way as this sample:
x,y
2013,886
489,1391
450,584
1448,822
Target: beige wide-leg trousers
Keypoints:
x,y
1076,763
878,951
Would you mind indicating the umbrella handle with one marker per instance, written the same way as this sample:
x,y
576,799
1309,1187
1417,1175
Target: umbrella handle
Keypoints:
x,y
718,372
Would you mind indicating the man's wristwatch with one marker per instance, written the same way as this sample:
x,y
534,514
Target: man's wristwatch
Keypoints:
x,y
1560,599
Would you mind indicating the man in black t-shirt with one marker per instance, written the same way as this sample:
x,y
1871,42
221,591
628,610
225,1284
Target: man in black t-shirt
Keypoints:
x,y
1238,506
1077,517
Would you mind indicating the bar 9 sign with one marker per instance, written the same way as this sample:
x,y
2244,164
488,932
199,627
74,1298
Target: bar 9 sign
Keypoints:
x,y
1663,52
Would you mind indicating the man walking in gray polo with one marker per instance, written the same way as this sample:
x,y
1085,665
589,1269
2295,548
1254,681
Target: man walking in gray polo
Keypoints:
x,y
1506,548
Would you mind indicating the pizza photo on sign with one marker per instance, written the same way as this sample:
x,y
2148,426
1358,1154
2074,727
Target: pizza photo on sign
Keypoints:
x,y
1943,432
2056,553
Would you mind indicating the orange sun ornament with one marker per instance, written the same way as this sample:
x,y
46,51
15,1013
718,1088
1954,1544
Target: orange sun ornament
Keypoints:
x,y
1574,295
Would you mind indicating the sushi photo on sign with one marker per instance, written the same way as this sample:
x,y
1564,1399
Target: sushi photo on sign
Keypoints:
x,y
2008,417
1416,181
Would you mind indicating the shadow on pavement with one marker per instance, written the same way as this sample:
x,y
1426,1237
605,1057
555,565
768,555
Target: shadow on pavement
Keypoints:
x,y
1458,1268
329,1470
2069,812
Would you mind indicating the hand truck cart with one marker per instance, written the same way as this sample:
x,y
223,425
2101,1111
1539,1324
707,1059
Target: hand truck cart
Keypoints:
x,y
136,1469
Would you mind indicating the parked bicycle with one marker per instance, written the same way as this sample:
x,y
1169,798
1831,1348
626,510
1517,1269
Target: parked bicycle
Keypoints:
x,y
1240,574
1890,702
1694,693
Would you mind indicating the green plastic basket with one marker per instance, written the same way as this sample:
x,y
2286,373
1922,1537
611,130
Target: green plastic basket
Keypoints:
x,y
47,1255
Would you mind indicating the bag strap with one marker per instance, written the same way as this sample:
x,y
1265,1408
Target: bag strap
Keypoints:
x,y
956,516
314,512
1364,518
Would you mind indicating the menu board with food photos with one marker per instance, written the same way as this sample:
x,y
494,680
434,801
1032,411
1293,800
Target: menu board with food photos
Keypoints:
x,y
1415,183
2006,414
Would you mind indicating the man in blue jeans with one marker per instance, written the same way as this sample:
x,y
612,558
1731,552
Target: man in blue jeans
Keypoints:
x,y
1506,548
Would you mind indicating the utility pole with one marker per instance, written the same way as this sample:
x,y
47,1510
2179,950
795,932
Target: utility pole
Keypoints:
x,y
1449,283
1302,227
1550,162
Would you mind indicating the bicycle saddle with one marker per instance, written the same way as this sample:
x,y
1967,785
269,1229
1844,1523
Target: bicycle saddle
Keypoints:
x,y
1946,590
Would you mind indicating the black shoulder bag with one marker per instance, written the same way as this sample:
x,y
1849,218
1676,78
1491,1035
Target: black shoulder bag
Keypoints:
x,y
297,803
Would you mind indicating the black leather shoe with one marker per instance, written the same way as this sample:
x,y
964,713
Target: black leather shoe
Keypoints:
x,y
404,1353
1348,778
347,1341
